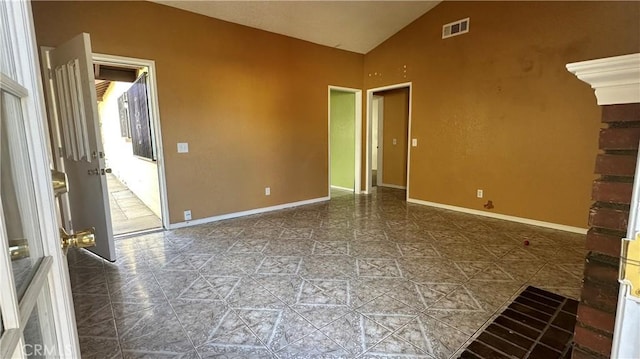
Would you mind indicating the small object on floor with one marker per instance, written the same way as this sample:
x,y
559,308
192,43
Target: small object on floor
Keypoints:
x,y
526,243
488,205
537,324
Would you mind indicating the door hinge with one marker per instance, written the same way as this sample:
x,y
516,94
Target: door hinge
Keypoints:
x,y
50,73
630,265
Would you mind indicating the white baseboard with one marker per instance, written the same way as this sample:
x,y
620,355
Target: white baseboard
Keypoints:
x,y
221,217
392,186
342,188
505,217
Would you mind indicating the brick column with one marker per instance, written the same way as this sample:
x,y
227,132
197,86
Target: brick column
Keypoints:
x,y
608,219
616,82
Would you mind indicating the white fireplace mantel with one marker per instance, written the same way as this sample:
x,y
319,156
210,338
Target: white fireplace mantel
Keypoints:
x,y
616,80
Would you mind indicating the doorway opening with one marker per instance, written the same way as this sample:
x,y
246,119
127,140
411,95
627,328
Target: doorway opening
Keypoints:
x,y
130,135
388,134
345,141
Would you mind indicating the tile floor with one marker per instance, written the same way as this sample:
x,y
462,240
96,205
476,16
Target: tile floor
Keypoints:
x,y
358,276
128,212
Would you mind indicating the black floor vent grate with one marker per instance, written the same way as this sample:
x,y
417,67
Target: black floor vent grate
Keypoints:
x,y
536,325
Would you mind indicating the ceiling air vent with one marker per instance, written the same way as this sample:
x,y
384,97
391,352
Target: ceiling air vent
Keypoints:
x,y
455,28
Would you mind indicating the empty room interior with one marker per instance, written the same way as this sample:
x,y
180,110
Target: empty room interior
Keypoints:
x,y
458,226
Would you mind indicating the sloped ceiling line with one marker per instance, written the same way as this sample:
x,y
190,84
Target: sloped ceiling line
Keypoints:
x,y
357,26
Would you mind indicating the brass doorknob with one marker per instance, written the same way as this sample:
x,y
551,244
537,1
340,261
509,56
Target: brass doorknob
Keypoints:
x,y
79,239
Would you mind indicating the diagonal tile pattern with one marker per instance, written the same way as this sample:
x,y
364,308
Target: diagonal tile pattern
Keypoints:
x,y
355,277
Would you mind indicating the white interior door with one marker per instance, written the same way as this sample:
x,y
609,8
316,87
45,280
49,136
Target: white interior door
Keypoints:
x,y
36,309
82,155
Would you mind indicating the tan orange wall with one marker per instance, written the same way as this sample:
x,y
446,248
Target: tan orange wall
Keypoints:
x,y
496,109
251,104
395,126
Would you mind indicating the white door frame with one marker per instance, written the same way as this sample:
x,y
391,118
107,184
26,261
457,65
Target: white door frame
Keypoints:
x,y
154,113
370,93
53,269
358,148
379,101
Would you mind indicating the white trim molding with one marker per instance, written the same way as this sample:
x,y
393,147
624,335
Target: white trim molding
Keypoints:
x,y
154,110
369,115
505,217
392,186
342,188
358,136
614,79
246,213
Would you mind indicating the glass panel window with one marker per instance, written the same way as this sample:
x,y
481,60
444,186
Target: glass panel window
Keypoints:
x,y
17,194
7,61
33,343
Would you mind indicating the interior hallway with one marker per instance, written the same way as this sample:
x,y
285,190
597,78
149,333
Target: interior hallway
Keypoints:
x,y
128,212
358,276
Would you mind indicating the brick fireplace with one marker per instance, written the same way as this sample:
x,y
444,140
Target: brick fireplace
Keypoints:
x,y
616,82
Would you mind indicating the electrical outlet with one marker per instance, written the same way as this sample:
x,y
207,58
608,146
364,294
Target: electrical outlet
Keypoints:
x,y
267,191
395,141
183,147
187,215
414,142
480,193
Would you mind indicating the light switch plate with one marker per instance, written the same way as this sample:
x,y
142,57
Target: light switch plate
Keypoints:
x,y
395,141
414,142
183,147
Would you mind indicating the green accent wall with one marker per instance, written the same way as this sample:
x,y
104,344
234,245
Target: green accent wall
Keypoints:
x,y
343,143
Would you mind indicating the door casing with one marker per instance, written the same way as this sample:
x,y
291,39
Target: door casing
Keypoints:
x,y
154,113
358,139
378,105
369,116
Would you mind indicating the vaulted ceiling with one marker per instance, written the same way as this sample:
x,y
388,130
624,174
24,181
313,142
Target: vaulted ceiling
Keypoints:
x,y
357,26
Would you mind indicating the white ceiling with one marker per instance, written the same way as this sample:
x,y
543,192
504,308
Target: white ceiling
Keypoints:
x,y
357,26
